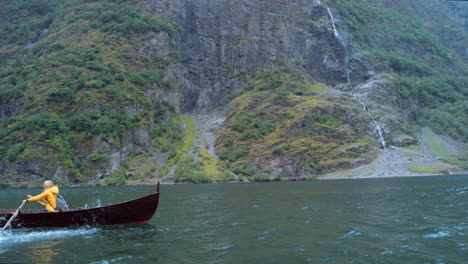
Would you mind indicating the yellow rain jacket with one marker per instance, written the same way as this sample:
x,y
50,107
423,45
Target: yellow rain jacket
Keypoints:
x,y
49,198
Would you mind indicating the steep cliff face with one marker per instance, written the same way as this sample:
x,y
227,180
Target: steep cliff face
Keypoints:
x,y
223,42
93,89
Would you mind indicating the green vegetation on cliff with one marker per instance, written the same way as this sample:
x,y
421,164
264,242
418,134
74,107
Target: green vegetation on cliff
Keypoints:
x,y
286,123
85,85
71,72
420,45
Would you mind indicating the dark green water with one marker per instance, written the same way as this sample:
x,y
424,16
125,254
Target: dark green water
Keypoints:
x,y
395,220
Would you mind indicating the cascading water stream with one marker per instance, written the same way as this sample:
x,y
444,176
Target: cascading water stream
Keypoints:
x,y
343,43
377,129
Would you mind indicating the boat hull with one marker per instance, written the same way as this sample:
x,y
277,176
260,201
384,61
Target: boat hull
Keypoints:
x,y
140,210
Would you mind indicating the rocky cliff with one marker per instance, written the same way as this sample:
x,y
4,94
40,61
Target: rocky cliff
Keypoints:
x,y
219,90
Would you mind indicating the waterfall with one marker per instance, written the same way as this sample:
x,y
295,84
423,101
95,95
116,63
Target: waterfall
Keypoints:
x,y
343,43
377,129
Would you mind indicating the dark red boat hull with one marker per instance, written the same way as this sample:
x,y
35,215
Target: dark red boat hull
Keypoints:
x,y
135,211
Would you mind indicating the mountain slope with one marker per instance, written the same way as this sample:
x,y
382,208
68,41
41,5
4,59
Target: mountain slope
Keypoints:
x,y
103,91
75,93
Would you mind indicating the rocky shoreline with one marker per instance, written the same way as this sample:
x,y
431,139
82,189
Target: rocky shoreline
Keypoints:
x,y
311,178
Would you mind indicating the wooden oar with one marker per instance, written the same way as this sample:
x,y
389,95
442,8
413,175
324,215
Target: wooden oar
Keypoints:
x,y
14,215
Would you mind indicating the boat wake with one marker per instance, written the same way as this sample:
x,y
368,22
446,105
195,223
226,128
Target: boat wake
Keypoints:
x,y
9,238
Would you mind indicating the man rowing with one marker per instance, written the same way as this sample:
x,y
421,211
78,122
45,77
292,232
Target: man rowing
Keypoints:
x,y
48,198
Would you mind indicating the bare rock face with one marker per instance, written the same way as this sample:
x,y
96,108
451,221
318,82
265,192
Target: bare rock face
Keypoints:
x,y
404,141
137,142
223,42
29,169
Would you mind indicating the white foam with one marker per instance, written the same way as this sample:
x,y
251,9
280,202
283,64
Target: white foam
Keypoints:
x,y
352,233
462,226
16,236
437,235
105,261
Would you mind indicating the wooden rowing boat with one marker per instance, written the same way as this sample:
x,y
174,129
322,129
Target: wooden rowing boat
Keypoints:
x,y
135,211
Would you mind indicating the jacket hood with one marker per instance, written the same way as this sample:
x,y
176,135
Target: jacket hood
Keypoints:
x,y
54,190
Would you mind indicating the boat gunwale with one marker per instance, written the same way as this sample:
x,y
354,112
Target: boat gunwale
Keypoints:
x,y
74,210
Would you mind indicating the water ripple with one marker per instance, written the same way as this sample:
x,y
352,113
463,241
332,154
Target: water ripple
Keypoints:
x,y
298,249
266,234
224,248
105,261
438,234
462,226
308,208
238,223
352,233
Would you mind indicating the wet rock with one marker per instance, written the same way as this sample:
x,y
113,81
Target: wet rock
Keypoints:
x,y
404,141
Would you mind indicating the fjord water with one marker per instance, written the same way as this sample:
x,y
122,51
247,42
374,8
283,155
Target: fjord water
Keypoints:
x,y
392,220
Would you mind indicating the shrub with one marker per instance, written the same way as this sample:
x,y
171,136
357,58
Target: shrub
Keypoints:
x,y
327,120
244,170
95,84
59,95
56,46
226,177
9,92
122,18
234,153
280,96
259,177
95,66
116,178
14,152
37,7
138,79
99,158
45,124
189,170
251,127
158,131
278,150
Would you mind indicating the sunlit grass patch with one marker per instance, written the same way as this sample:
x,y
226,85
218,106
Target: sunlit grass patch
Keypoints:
x,y
436,145
190,131
210,165
437,167
412,147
